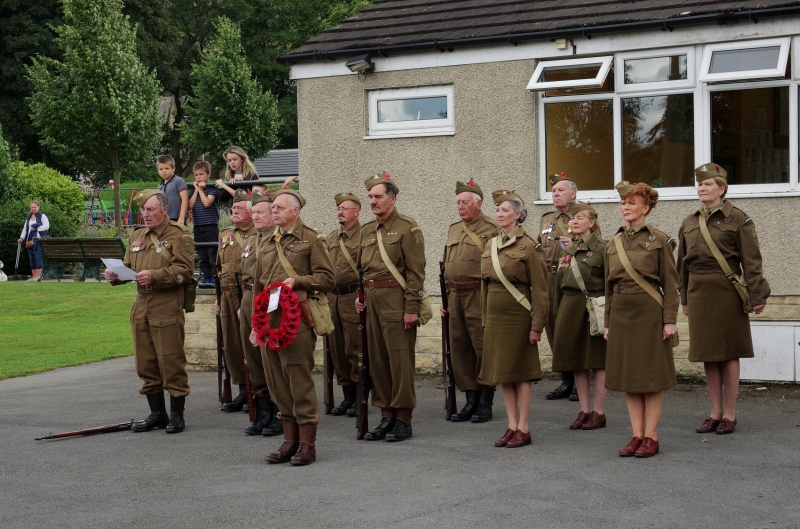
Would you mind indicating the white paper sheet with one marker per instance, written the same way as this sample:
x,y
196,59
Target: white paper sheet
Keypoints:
x,y
274,298
116,266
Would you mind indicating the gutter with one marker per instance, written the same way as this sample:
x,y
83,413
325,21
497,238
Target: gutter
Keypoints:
x,y
515,38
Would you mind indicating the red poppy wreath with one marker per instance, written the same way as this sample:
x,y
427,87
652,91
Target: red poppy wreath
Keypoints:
x,y
282,336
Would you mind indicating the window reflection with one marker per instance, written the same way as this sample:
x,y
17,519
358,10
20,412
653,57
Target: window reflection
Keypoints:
x,y
750,134
416,109
743,60
658,140
580,141
655,69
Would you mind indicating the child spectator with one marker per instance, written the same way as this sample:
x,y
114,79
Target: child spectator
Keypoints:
x,y
174,187
205,214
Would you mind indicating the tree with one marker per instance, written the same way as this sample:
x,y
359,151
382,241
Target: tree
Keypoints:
x,y
99,106
229,107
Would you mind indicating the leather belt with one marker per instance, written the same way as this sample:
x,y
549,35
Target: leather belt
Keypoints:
x,y
388,283
552,268
345,289
227,288
247,286
470,285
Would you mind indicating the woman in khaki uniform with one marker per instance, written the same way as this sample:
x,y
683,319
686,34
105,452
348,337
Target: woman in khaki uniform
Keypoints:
x,y
640,316
574,348
513,328
721,336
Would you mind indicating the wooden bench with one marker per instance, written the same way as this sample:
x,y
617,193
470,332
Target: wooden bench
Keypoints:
x,y
85,250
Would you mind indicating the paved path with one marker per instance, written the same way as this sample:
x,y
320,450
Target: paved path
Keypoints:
x,y
448,475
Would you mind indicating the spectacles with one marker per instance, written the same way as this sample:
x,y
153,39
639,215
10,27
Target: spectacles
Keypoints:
x,y
340,209
238,208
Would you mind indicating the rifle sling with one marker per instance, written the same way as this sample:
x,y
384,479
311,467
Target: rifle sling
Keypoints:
x,y
634,274
477,240
347,255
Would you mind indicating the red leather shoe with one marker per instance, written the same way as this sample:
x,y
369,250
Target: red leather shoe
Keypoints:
x,y
649,448
726,426
597,420
580,421
503,441
519,439
632,447
708,426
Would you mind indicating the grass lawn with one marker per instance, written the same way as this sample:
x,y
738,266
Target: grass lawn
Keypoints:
x,y
49,325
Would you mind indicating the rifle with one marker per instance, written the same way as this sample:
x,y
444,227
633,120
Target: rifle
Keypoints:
x,y
364,380
447,360
327,361
223,382
253,405
16,263
90,431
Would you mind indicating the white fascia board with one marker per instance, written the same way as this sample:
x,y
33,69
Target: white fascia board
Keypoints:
x,y
597,45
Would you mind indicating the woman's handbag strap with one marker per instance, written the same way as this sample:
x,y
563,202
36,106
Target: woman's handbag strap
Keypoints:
x,y
521,299
634,274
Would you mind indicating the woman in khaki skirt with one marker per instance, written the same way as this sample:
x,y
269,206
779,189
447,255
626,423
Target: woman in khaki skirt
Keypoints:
x,y
512,327
574,348
640,316
719,337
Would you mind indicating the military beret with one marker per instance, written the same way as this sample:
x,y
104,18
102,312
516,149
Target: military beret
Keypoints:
x,y
576,207
624,187
343,197
381,178
241,196
501,195
286,190
558,177
469,187
710,170
144,195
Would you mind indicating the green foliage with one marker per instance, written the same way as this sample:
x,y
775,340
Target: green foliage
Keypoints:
x,y
229,107
99,106
39,182
5,166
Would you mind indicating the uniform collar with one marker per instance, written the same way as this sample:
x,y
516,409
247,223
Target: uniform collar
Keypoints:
x,y
388,222
245,228
294,231
477,220
515,234
158,231
347,235
637,228
726,208
589,243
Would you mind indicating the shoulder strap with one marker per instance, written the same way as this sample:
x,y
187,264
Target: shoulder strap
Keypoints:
x,y
284,261
477,240
347,255
238,237
578,277
562,228
165,253
714,249
392,268
521,299
634,274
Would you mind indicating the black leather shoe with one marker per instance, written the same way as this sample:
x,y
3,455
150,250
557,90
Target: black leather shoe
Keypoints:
x,y
257,427
348,402
176,423
484,412
236,404
469,408
275,427
379,433
561,392
158,414
573,397
351,411
400,432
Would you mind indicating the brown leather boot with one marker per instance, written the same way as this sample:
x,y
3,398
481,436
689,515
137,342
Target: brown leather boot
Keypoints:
x,y
291,436
306,454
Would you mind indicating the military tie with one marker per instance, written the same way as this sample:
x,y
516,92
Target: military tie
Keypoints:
x,y
631,232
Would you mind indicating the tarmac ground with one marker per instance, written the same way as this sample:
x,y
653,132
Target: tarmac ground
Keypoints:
x,y
447,475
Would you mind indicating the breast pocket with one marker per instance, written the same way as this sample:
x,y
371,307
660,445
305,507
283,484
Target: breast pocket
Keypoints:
x,y
725,234
690,235
392,246
451,250
646,257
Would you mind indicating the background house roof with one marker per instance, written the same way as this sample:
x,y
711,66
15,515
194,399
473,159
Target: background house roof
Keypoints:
x,y
279,162
416,25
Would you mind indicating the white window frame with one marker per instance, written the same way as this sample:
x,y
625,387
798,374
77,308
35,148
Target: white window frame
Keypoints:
x,y
596,82
619,70
766,73
407,129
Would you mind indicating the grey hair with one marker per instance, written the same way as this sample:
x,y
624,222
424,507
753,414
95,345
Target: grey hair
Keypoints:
x,y
476,197
390,190
249,205
518,207
162,199
294,201
573,186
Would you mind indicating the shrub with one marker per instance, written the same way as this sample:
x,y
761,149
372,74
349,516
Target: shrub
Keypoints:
x,y
39,182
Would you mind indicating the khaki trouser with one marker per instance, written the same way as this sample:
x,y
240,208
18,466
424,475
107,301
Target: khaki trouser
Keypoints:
x,y
258,377
289,378
157,327
234,355
466,337
391,349
550,327
345,337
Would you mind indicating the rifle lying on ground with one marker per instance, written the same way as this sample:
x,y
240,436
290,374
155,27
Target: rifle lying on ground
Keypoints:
x,y
447,359
327,362
90,431
253,404
364,380
223,377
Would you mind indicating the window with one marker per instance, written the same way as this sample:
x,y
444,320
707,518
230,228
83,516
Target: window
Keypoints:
x,y
570,75
740,61
641,71
406,112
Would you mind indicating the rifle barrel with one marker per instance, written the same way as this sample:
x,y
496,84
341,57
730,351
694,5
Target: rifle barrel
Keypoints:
x,y
90,431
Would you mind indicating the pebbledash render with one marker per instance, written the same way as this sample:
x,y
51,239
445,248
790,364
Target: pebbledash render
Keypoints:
x,y
643,97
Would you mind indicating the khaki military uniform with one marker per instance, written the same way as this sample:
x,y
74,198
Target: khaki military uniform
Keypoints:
x,y
718,326
508,355
289,370
391,346
250,279
462,274
344,340
229,262
157,319
552,225
638,359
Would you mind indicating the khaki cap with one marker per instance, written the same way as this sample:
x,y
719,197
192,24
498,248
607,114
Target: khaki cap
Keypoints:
x,y
144,195
624,187
558,177
576,207
469,187
501,195
381,178
241,196
258,196
343,197
710,170
286,190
